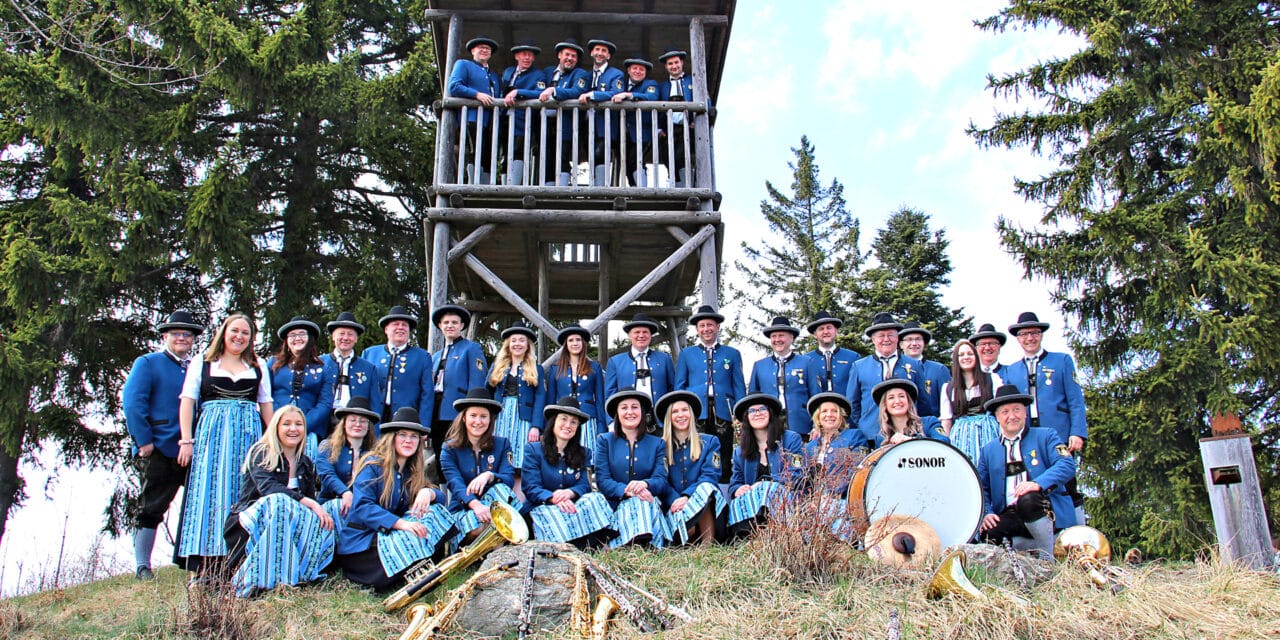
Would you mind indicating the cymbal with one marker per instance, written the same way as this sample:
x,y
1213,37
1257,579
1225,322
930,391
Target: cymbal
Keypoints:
x,y
902,541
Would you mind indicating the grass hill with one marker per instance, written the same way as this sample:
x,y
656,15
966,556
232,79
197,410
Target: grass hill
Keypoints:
x,y
738,592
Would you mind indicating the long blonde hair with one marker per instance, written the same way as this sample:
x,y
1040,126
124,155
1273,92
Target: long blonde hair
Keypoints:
x,y
219,342
502,362
414,477
338,439
269,444
915,426
695,441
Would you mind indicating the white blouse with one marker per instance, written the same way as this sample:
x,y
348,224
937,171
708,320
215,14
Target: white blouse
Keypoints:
x,y
195,375
944,411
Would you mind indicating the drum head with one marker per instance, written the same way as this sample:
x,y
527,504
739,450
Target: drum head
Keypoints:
x,y
930,480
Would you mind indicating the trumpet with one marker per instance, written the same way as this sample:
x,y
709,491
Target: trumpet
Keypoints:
x,y
506,526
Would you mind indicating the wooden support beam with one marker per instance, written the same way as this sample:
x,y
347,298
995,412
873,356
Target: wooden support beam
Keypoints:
x,y
678,234
651,105
463,247
658,272
708,273
677,336
581,309
544,291
704,171
439,278
514,192
578,18
571,217
446,169
605,293
510,296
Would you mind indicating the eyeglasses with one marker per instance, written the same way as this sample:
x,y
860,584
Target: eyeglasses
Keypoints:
x,y
182,335
1034,333
408,435
757,410
301,333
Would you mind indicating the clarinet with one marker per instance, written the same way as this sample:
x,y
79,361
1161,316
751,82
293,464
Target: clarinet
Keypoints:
x,y
526,605
625,604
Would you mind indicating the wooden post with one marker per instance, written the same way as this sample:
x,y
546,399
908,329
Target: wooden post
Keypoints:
x,y
509,295
544,295
704,173
439,280
463,246
606,290
658,272
708,274
1239,514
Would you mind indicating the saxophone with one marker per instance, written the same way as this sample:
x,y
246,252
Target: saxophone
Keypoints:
x,y
424,625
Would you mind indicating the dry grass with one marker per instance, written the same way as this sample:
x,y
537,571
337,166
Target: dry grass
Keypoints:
x,y
733,593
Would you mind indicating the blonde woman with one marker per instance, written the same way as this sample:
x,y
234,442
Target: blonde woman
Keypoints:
x,y
352,437
232,389
278,533
899,421
518,383
692,498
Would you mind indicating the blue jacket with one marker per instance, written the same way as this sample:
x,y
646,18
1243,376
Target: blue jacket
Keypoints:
x,y
841,364
469,80
335,477
532,399
691,375
461,466
571,85
412,386
800,385
646,90
466,369
934,376
684,474
848,440
315,397
541,478
616,465
786,464
367,516
610,84
151,402
931,426
620,372
1048,463
527,87
363,381
864,376
1059,399
590,391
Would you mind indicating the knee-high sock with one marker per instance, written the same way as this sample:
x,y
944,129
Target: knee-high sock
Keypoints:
x,y
144,540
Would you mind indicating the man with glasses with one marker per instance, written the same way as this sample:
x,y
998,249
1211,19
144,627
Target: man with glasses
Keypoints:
x,y
347,374
988,342
151,416
914,339
885,362
1057,402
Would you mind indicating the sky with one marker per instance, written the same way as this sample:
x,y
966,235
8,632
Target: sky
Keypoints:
x,y
884,91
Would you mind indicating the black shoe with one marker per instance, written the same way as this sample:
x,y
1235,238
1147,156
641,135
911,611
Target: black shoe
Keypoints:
x,y
144,573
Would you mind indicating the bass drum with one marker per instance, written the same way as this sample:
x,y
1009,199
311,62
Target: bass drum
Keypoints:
x,y
923,478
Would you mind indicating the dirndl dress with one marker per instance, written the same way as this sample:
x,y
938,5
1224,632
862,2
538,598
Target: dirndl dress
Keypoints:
x,y
228,425
286,545
398,550
511,427
764,494
973,430
553,525
705,493
635,517
467,519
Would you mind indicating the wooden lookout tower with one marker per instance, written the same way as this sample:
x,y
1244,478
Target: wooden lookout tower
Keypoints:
x,y
567,232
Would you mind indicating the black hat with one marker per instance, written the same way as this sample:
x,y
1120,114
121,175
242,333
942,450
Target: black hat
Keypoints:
x,y
404,419
526,46
1004,395
781,324
1027,320
911,327
671,53
613,48
299,322
398,312
672,397
478,397
567,404
521,329
829,396
822,317
574,329
180,319
640,320
357,406
627,393
706,312
441,311
879,390
740,407
988,330
493,44
644,63
882,321
345,319
569,43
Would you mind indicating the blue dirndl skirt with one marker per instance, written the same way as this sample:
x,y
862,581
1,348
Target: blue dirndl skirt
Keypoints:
x,y
587,437
636,517
553,525
762,494
466,518
705,491
511,427
286,545
224,434
397,549
970,433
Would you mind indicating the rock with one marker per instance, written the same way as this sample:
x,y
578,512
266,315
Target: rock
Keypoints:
x,y
494,607
1013,570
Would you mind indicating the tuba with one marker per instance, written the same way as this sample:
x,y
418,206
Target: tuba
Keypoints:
x,y
507,526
